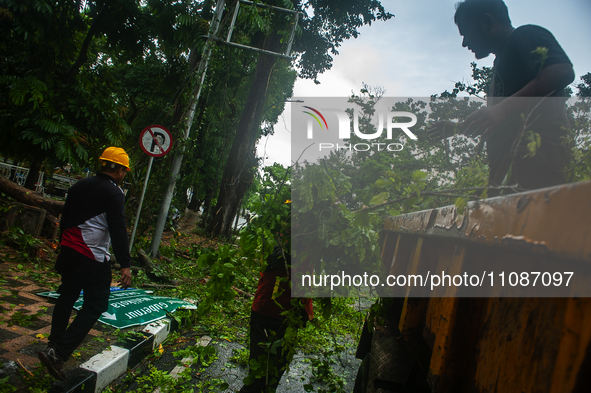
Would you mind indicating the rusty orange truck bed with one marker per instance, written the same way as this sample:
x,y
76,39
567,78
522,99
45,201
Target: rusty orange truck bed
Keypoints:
x,y
501,338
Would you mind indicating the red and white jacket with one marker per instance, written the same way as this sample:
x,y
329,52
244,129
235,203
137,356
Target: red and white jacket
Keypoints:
x,y
93,217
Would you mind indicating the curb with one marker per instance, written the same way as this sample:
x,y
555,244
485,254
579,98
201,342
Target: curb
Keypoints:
x,y
99,371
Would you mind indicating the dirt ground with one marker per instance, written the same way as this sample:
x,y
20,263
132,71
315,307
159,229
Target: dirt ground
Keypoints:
x,y
188,237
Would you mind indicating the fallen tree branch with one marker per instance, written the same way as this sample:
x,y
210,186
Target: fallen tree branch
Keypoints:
x,y
162,257
444,193
117,266
24,368
243,293
29,197
159,286
153,271
184,254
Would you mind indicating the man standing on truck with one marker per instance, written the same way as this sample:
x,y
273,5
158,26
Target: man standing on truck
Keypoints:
x,y
524,124
93,217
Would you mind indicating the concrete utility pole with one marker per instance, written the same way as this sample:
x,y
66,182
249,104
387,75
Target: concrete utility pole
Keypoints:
x,y
178,158
202,70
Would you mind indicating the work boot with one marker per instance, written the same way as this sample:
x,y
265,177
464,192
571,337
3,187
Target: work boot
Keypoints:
x,y
54,364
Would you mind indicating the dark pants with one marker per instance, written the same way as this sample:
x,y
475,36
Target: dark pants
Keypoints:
x,y
78,273
266,339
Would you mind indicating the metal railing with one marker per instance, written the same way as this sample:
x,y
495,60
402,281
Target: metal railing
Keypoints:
x,y
65,179
15,173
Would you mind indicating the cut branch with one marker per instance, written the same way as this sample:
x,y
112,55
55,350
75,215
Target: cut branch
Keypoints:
x,y
444,193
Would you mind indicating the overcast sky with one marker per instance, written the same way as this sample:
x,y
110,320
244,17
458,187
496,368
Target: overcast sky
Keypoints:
x,y
419,52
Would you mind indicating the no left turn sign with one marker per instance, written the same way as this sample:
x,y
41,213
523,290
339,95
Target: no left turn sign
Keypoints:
x,y
155,141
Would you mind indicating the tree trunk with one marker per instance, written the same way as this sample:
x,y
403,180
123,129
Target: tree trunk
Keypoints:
x,y
195,203
205,217
83,54
200,154
34,170
242,163
206,209
26,196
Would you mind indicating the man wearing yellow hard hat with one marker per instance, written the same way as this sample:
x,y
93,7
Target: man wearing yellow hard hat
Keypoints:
x,y
93,219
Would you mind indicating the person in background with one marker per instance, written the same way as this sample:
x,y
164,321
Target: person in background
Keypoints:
x,y
93,218
269,322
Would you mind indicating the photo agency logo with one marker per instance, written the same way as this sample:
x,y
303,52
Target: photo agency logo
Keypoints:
x,y
394,123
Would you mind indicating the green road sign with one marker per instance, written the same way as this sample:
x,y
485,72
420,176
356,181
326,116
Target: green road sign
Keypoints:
x,y
133,307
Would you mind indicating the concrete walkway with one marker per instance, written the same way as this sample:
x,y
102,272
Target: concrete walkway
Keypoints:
x,y
25,324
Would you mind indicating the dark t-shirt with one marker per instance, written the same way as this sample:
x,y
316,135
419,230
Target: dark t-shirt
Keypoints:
x,y
526,52
519,62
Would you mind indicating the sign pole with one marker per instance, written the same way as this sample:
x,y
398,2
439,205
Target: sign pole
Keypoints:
x,y
155,141
139,208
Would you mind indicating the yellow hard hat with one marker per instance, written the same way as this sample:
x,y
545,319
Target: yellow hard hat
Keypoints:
x,y
116,155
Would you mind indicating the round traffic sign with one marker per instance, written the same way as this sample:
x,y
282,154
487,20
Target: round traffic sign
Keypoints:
x,y
155,141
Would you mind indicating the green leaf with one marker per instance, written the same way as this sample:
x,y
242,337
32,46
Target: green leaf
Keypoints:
x,y
419,176
362,219
460,204
394,212
378,199
383,183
